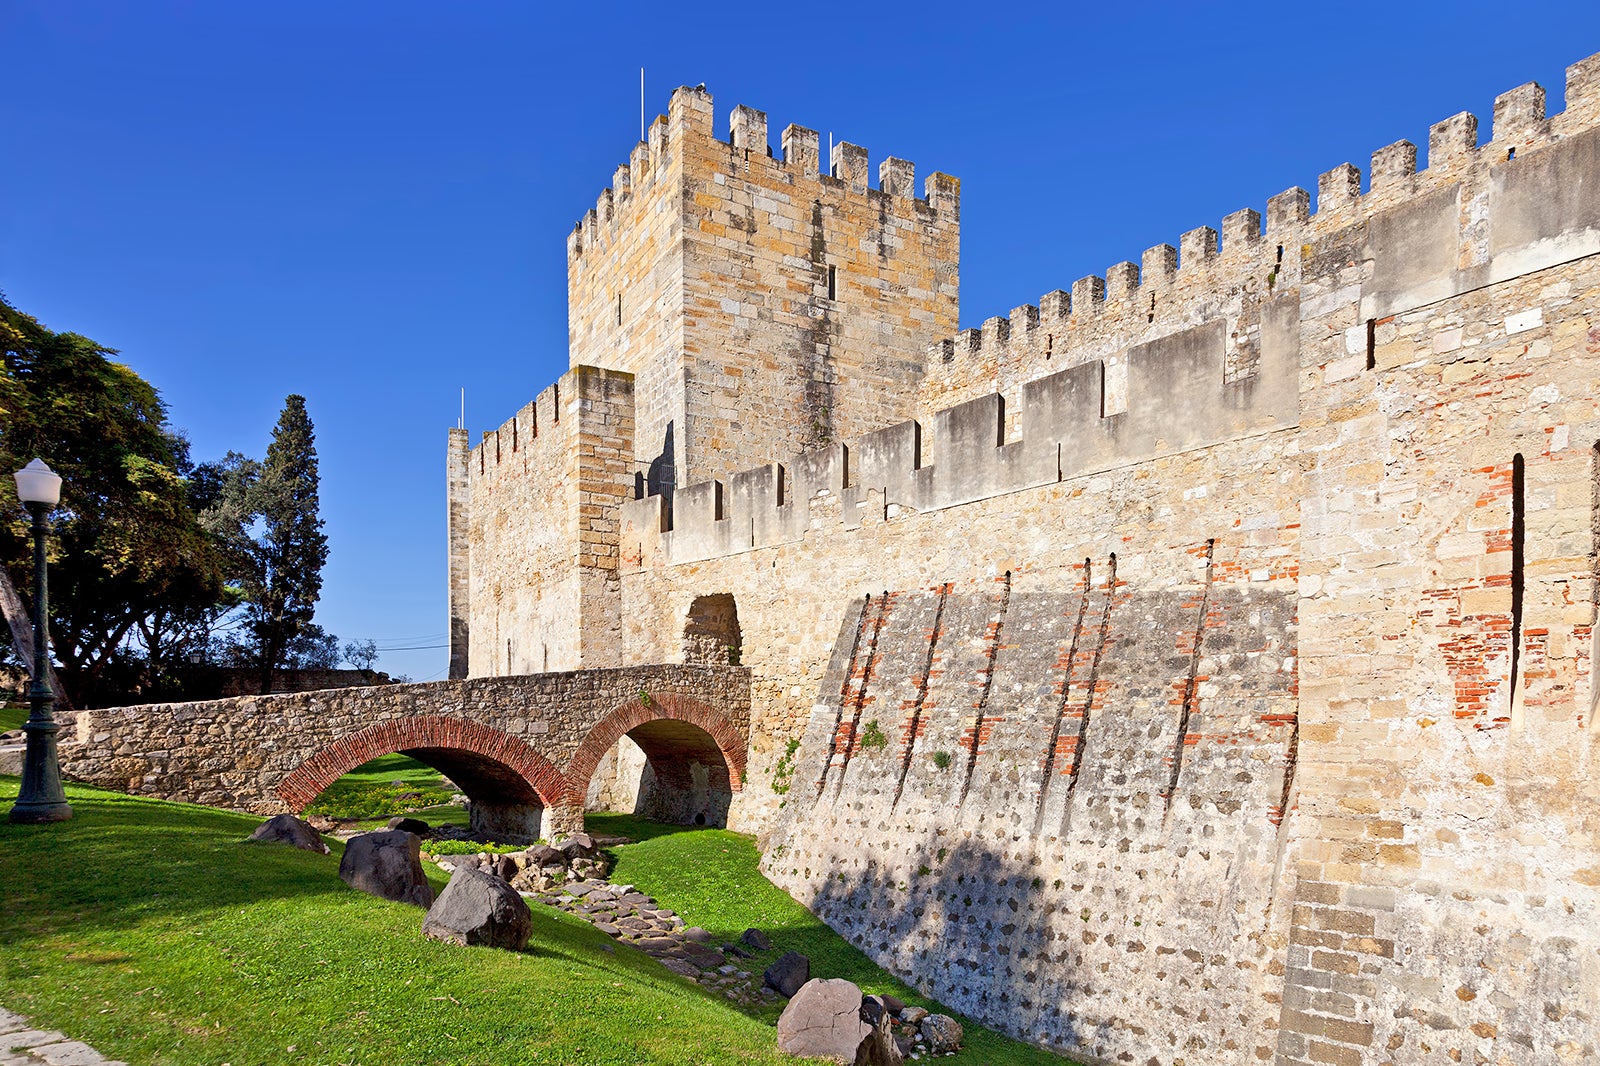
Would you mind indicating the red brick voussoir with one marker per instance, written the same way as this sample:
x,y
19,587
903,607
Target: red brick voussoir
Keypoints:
x,y
306,781
635,713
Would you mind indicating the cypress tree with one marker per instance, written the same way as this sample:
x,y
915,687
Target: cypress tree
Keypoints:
x,y
291,548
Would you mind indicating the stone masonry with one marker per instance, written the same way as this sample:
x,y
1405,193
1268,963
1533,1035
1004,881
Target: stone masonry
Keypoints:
x,y
1196,666
516,747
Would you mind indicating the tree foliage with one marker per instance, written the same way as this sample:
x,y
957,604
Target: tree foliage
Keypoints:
x,y
266,517
135,579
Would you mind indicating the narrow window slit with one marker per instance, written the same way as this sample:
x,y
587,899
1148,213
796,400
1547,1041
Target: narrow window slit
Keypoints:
x,y
833,288
1372,343
1518,539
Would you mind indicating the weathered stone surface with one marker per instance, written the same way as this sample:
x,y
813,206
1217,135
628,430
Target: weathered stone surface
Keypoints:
x,y
942,1032
828,1019
478,909
386,864
755,939
287,829
788,973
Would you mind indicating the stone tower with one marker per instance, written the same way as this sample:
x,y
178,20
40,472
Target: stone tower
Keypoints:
x,y
763,308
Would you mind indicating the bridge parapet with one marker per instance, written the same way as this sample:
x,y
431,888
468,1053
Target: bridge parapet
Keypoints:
x,y
513,744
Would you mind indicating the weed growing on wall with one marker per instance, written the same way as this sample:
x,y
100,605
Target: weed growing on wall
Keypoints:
x,y
872,736
783,771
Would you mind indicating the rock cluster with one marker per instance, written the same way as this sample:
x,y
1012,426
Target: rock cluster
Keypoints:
x,y
540,868
831,1019
287,829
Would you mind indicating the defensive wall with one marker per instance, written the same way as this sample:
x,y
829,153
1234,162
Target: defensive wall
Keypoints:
x,y
1205,672
523,749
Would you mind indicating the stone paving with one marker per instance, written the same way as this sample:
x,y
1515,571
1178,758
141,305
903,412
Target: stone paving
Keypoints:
x,y
23,1045
628,915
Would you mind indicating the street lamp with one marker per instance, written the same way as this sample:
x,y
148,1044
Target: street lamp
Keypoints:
x,y
41,798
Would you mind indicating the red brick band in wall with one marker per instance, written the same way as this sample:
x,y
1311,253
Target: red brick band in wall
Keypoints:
x,y
635,713
306,781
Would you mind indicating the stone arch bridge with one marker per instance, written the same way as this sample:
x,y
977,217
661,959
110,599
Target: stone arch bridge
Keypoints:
x,y
521,748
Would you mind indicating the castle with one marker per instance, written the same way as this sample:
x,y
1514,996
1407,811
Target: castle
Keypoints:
x,y
1195,667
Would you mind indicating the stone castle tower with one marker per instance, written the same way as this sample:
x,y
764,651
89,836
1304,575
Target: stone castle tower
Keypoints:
x,y
722,304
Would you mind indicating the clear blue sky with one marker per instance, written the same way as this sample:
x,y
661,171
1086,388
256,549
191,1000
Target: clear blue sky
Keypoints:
x,y
367,203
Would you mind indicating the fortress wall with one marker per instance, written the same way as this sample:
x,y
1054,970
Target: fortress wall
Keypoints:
x,y
1448,862
543,490
926,881
1383,851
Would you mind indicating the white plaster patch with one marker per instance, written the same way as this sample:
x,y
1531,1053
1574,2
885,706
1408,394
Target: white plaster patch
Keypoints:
x,y
1523,321
1446,341
1355,340
1544,394
1560,437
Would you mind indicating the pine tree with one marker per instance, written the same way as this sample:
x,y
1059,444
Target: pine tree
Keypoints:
x,y
286,556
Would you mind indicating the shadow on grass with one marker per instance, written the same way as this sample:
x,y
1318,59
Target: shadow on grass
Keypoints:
x,y
188,861
613,823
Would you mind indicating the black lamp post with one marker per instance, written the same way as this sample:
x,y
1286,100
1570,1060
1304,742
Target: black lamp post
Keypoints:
x,y
41,799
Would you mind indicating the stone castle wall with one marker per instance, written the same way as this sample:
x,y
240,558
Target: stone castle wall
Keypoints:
x,y
1206,673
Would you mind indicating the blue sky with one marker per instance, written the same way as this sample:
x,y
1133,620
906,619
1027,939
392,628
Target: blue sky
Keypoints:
x,y
367,203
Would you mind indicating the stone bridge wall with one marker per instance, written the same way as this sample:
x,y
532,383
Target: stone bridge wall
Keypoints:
x,y
531,741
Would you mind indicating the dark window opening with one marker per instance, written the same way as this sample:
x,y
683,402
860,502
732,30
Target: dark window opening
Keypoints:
x,y
1511,153
619,308
1518,536
1372,343
833,284
1049,344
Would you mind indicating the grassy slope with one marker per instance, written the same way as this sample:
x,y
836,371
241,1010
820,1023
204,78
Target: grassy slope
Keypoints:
x,y
12,718
711,878
153,932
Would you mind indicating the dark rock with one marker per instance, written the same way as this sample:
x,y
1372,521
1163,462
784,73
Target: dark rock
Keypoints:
x,y
756,940
578,846
942,1032
408,825
545,855
735,950
829,1019
502,866
386,864
702,956
893,1004
698,935
789,973
287,829
476,909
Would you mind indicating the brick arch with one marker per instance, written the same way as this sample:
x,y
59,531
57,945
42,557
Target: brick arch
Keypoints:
x,y
635,713
499,757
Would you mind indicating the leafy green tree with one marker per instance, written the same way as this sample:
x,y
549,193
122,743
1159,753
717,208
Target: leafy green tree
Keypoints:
x,y
267,517
132,569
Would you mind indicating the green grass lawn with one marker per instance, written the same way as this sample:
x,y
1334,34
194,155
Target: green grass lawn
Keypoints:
x,y
152,931
372,794
12,718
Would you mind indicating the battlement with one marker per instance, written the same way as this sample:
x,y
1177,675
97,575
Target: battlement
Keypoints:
x,y
583,401
1177,399
1256,256
690,115
1200,344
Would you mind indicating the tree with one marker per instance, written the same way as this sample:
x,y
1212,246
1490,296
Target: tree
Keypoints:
x,y
267,517
129,556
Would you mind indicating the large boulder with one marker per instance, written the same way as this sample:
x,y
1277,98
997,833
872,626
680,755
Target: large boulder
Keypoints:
x,y
287,829
409,825
790,972
545,855
756,939
942,1032
829,1019
579,846
387,864
476,908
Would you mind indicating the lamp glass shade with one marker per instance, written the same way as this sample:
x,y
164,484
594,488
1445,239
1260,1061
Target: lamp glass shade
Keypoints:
x,y
37,483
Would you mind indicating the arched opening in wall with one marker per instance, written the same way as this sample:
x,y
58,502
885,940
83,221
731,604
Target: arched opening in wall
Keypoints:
x,y
436,770
663,771
711,635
